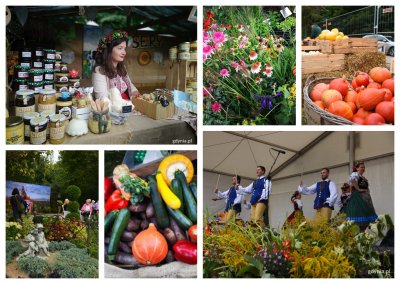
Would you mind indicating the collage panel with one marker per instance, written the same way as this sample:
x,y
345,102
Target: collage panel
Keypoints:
x,y
150,221
347,56
249,65
296,204
128,73
52,214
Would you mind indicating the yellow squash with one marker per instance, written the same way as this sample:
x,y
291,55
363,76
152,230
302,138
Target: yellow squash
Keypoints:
x,y
169,165
166,193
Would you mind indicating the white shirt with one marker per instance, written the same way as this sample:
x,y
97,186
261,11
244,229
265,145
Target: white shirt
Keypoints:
x,y
238,200
354,177
313,189
249,189
299,203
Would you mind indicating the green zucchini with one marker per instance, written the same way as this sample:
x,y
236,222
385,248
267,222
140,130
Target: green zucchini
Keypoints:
x,y
158,203
183,222
109,220
190,202
193,188
177,189
118,228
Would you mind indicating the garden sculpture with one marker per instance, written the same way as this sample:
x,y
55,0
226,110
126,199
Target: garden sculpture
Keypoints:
x,y
36,243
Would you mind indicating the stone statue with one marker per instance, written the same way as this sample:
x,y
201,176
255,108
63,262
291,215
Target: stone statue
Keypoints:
x,y
36,243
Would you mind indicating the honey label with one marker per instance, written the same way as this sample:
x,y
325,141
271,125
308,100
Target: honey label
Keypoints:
x,y
39,53
64,79
38,137
49,76
19,111
57,133
51,56
26,54
43,107
38,78
48,66
26,64
15,138
23,74
23,87
66,111
51,87
38,89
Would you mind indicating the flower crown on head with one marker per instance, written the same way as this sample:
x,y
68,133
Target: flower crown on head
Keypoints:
x,y
118,34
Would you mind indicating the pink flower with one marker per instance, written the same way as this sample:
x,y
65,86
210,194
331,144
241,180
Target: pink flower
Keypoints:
x,y
235,65
231,50
243,64
267,70
253,55
216,107
206,39
219,37
208,50
224,73
243,41
255,67
258,80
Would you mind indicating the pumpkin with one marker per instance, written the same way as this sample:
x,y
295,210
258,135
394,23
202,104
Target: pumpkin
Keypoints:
x,y
316,93
150,247
389,84
354,83
353,106
362,79
320,104
369,98
330,36
379,74
330,96
386,109
340,85
358,120
342,109
350,96
374,85
388,95
374,119
362,113
170,164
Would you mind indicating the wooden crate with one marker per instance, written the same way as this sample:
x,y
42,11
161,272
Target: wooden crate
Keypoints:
x,y
348,46
155,110
322,63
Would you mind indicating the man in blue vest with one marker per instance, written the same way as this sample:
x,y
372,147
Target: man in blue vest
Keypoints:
x,y
233,199
260,189
326,193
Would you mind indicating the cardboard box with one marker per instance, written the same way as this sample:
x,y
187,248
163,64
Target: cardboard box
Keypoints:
x,y
82,112
155,110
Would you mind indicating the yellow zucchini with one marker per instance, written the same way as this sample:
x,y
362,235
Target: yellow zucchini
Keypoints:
x,y
166,193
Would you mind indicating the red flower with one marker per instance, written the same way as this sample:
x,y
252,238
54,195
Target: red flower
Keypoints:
x,y
228,26
216,107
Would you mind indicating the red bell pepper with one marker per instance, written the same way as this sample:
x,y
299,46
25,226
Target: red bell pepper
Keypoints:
x,y
108,187
116,201
185,251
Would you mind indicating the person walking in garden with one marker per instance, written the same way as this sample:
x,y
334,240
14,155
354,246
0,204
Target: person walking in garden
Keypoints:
x,y
260,189
326,195
233,199
17,204
87,210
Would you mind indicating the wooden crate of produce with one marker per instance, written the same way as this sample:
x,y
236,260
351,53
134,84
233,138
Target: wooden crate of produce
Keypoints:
x,y
155,110
348,46
364,44
322,63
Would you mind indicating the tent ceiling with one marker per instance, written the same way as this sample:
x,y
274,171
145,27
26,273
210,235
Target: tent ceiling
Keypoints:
x,y
240,152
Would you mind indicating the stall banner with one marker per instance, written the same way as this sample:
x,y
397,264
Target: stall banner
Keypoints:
x,y
36,192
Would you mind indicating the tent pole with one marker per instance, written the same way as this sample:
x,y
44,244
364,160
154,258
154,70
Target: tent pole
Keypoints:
x,y
351,150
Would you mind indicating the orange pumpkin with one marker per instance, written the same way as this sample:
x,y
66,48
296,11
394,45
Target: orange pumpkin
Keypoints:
x,y
342,109
350,96
316,93
386,109
362,113
330,96
358,120
320,104
362,79
150,247
374,85
389,84
388,95
374,119
340,85
379,74
369,98
353,106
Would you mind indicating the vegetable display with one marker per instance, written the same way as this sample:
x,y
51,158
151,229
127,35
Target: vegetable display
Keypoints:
x,y
153,222
367,100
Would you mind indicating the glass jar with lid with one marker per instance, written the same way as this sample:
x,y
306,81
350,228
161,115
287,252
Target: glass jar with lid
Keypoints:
x,y
24,102
47,100
57,129
47,114
35,86
49,54
27,123
21,72
38,131
35,75
64,105
14,130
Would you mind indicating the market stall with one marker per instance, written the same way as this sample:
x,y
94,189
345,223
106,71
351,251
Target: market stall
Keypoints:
x,y
52,52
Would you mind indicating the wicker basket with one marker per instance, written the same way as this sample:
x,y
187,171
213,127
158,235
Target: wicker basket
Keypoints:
x,y
313,113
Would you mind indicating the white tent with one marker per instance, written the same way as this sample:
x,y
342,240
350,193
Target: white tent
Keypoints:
x,y
306,152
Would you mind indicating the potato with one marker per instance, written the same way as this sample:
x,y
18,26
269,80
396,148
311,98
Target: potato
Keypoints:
x,y
128,236
170,236
126,258
124,247
133,224
150,210
140,207
179,233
